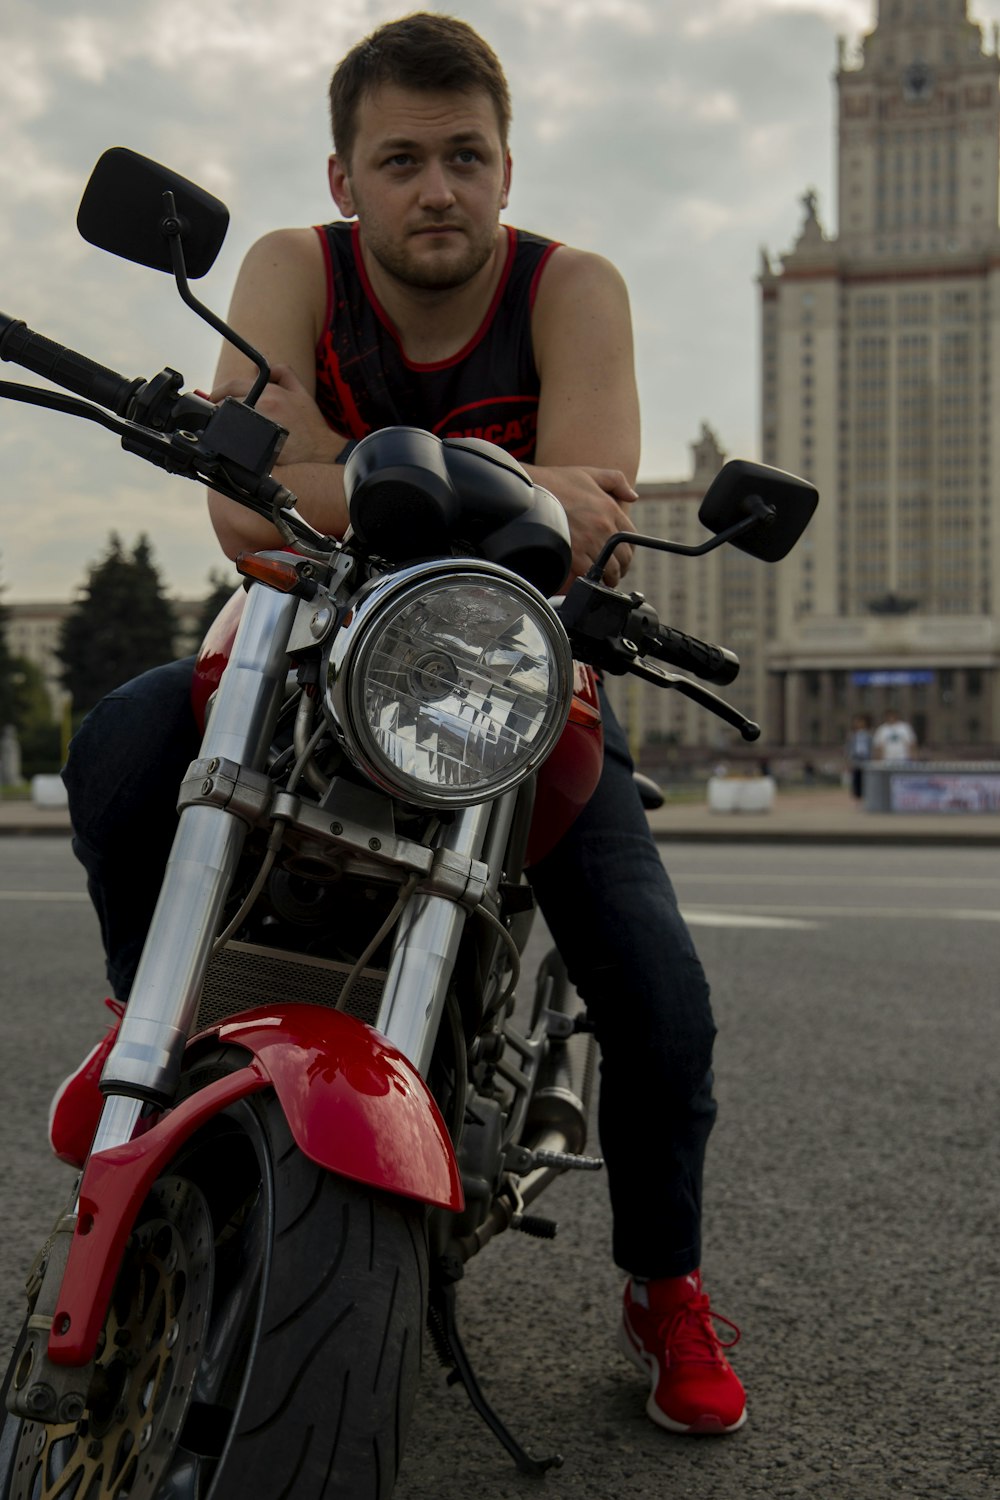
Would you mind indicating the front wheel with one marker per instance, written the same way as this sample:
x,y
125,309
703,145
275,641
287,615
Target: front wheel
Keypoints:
x,y
264,1337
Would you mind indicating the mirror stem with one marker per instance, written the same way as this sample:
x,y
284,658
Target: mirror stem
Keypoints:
x,y
596,569
171,229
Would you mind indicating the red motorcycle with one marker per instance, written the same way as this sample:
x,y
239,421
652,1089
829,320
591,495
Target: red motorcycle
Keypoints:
x,y
325,1096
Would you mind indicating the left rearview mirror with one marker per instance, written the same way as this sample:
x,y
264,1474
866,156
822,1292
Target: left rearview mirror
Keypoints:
x,y
122,211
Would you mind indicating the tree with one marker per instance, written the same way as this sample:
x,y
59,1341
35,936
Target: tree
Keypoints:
x,y
8,675
24,704
122,625
37,730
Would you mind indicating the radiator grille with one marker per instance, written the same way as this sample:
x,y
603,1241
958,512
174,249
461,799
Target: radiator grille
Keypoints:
x,y
243,975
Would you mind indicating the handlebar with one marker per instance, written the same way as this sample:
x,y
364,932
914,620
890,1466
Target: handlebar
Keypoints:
x,y
711,663
229,446
232,444
614,632
75,372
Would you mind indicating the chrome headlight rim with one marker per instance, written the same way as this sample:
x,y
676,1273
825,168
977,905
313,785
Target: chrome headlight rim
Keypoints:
x,y
376,604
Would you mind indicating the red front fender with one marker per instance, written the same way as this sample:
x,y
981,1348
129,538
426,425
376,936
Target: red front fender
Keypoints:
x,y
354,1104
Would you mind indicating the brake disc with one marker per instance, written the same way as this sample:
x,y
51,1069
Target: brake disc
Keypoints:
x,y
145,1370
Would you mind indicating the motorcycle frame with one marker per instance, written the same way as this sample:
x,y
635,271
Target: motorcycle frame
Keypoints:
x,y
394,1140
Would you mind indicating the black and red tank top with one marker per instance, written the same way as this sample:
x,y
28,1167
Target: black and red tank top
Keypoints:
x,y
489,389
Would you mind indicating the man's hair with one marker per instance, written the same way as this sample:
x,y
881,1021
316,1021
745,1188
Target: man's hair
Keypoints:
x,y
424,52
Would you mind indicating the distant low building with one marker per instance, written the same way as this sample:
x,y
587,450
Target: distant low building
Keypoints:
x,y
33,632
718,598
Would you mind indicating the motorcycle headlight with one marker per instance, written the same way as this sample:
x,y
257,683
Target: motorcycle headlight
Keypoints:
x,y
449,682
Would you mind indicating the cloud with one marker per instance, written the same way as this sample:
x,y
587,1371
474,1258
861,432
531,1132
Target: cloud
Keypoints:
x,y
634,16
743,15
673,136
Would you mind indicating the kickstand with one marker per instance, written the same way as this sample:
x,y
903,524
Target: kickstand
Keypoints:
x,y
451,1350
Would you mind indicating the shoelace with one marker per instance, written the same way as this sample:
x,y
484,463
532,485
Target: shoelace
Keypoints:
x,y
689,1336
98,1057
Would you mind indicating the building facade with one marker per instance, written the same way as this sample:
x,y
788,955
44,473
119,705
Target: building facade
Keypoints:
x,y
880,351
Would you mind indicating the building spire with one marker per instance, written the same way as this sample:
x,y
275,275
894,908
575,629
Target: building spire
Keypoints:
x,y
918,135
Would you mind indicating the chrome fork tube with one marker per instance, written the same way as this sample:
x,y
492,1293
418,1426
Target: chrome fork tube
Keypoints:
x,y
427,939
145,1061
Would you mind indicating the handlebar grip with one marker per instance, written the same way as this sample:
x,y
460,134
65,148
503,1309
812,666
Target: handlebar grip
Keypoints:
x,y
75,372
711,663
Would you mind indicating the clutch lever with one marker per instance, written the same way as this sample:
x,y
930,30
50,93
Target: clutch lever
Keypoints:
x,y
701,695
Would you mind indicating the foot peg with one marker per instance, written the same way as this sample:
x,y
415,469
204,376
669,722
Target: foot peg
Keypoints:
x,y
536,1225
567,1162
523,1159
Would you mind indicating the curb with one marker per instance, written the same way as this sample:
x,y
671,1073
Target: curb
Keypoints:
x,y
34,830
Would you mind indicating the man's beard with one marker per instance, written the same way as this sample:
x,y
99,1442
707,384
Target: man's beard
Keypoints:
x,y
432,274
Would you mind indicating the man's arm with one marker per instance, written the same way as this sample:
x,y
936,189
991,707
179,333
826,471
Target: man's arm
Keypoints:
x,y
587,450
278,305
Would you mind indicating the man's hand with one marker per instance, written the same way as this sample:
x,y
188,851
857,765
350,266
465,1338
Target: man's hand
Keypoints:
x,y
286,400
594,501
306,464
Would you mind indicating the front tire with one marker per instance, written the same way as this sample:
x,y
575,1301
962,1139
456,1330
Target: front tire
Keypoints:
x,y
264,1337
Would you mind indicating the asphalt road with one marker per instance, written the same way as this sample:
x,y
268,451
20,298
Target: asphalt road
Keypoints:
x,y
852,1192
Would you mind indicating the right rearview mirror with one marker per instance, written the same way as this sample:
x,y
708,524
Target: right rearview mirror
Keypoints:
x,y
737,491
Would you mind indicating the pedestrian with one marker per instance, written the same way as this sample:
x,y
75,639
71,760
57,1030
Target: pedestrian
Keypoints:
x,y
859,751
894,739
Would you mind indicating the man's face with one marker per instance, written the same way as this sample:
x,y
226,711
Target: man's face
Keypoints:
x,y
427,177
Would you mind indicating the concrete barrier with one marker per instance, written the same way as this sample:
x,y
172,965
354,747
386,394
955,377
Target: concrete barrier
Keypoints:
x,y
48,791
740,793
913,786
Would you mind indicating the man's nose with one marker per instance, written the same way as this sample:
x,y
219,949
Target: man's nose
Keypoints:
x,y
435,188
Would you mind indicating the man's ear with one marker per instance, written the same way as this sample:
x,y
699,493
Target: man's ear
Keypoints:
x,y
507,168
340,186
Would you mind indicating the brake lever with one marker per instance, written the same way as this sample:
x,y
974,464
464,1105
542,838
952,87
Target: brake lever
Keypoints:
x,y
701,695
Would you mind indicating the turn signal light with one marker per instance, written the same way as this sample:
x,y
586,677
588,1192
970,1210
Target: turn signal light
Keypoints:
x,y
275,572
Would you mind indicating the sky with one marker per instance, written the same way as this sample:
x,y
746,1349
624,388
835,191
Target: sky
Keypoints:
x,y
676,137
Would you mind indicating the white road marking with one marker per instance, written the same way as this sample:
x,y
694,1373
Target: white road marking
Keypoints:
x,y
923,914
44,896
744,919
930,882
740,915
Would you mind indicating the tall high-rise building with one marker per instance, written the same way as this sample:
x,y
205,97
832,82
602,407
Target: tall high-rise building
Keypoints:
x,y
880,353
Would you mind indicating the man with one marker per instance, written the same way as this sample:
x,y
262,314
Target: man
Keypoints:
x,y
428,311
894,738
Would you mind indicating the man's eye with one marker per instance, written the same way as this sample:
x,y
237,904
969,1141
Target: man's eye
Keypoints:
x,y
467,157
401,159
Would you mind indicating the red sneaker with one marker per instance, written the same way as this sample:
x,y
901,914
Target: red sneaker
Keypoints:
x,y
667,1330
76,1105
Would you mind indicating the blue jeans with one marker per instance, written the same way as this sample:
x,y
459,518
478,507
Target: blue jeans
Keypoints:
x,y
123,774
603,892
612,911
